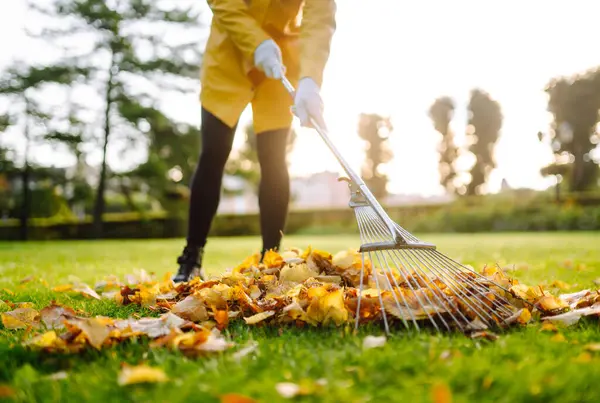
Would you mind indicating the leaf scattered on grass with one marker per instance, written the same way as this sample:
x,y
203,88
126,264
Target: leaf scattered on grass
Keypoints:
x,y
441,393
236,398
141,374
21,318
374,342
592,347
287,390
57,376
249,349
7,391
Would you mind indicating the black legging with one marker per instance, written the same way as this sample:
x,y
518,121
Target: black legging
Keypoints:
x,y
274,189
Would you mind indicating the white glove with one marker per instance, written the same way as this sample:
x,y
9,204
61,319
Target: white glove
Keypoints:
x,y
267,58
308,103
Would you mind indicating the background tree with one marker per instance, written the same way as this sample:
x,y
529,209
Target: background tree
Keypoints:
x,y
172,155
574,102
375,131
19,85
485,122
127,46
441,113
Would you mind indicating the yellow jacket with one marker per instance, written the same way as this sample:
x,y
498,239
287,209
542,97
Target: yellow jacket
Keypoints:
x,y
303,29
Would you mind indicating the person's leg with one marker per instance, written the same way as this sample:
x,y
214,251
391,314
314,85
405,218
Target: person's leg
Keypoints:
x,y
274,188
217,139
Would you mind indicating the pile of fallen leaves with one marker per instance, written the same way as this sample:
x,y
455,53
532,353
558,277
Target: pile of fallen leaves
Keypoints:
x,y
298,288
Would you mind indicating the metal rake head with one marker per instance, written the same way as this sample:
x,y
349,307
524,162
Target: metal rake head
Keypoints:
x,y
413,282
417,285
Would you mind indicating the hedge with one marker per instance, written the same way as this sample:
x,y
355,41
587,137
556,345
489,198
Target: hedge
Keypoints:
x,y
426,218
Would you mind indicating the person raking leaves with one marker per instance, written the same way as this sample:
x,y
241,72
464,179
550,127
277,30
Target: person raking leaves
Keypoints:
x,y
252,43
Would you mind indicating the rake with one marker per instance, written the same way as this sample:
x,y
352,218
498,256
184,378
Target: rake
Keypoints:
x,y
414,283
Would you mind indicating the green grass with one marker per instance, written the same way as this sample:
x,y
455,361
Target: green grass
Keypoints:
x,y
523,365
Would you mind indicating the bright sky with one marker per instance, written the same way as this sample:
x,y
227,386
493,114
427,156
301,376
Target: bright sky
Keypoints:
x,y
395,57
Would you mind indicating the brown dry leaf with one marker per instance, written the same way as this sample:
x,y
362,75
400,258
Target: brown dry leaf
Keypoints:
x,y
259,317
95,330
26,279
592,347
236,398
441,393
565,319
53,316
484,335
21,318
141,374
191,308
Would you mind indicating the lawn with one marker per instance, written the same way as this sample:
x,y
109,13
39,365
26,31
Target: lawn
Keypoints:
x,y
523,365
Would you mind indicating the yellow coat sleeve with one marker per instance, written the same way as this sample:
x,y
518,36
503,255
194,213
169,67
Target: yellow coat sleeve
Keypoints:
x,y
318,26
233,17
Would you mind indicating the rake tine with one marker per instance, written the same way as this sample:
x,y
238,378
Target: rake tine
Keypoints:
x,y
468,281
416,269
381,236
417,297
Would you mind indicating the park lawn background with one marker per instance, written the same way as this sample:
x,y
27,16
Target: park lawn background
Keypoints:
x,y
523,365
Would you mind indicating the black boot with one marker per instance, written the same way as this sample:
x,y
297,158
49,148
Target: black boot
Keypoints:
x,y
190,265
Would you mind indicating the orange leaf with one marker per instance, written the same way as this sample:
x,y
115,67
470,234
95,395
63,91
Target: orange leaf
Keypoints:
x,y
235,398
441,393
222,319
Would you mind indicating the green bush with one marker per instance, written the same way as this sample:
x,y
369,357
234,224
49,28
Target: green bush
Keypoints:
x,y
502,215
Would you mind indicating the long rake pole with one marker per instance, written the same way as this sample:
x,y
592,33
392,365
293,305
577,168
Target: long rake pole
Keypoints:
x,y
356,180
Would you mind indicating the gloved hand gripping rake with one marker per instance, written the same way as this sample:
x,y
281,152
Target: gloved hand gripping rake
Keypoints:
x,y
413,282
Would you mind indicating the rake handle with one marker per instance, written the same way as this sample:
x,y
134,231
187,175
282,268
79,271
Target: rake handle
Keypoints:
x,y
354,177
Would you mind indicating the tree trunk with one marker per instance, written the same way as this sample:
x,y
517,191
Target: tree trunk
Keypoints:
x,y
99,203
25,177
578,176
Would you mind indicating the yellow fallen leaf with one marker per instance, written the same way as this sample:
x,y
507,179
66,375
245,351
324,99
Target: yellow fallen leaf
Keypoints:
x,y
487,382
21,318
63,288
329,307
552,304
259,317
592,347
297,273
560,285
44,340
524,317
548,327
272,259
141,374
558,337
583,358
